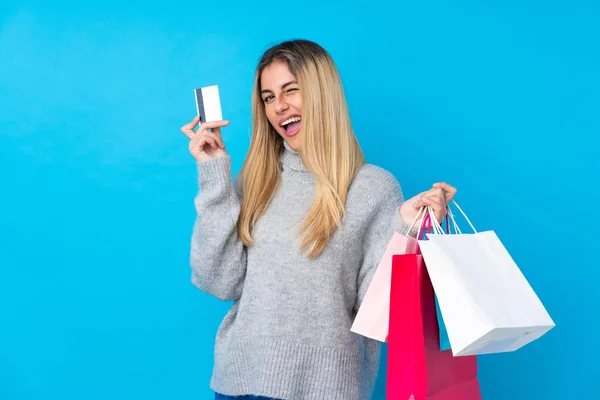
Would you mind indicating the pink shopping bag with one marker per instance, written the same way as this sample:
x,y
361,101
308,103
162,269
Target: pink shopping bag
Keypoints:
x,y
417,368
373,317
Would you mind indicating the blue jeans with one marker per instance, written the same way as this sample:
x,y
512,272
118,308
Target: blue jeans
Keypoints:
x,y
219,396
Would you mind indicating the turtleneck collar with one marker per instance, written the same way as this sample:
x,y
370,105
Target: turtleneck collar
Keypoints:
x,y
290,159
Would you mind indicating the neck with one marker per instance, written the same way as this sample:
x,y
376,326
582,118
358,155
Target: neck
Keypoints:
x,y
291,159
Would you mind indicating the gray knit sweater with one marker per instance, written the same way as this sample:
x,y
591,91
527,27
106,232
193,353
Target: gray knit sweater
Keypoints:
x,y
287,334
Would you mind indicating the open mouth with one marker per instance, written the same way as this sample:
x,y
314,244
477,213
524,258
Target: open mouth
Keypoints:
x,y
292,125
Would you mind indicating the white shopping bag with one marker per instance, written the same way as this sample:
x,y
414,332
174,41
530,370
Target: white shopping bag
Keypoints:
x,y
486,303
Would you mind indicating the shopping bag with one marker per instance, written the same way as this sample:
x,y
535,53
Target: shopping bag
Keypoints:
x,y
443,332
487,304
417,369
444,340
372,318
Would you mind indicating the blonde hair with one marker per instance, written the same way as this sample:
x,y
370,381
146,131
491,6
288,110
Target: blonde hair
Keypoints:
x,y
329,148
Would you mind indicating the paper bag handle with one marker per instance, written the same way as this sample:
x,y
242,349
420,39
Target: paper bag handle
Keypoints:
x,y
424,220
464,215
434,224
437,227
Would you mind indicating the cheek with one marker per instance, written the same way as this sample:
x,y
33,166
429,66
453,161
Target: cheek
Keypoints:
x,y
271,116
297,103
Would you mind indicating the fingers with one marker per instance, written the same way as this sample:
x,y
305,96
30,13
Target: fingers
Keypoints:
x,y
435,204
214,126
209,138
439,209
214,140
419,200
449,189
188,129
436,194
437,198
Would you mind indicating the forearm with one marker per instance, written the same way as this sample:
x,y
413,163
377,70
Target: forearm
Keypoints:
x,y
218,257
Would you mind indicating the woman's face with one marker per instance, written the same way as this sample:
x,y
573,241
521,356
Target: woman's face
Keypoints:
x,y
283,104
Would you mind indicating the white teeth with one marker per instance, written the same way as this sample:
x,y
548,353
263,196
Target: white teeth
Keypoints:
x,y
289,121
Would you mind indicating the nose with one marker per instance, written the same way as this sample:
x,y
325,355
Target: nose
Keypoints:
x,y
281,105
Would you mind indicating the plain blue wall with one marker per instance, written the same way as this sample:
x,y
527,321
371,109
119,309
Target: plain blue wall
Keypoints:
x,y
97,185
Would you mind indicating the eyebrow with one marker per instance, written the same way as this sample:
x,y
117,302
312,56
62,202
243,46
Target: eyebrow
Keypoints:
x,y
282,87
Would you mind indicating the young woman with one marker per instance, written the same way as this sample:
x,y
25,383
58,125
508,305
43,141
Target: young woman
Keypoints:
x,y
296,242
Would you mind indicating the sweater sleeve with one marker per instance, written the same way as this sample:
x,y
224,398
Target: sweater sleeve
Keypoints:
x,y
385,220
218,256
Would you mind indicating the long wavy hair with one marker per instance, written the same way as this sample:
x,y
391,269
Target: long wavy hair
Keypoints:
x,y
329,149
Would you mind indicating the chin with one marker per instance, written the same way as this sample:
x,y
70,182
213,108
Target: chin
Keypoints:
x,y
294,142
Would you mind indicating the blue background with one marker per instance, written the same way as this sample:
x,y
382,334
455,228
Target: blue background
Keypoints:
x,y
96,199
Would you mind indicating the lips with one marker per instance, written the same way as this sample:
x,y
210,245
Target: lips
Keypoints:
x,y
288,118
291,124
293,128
